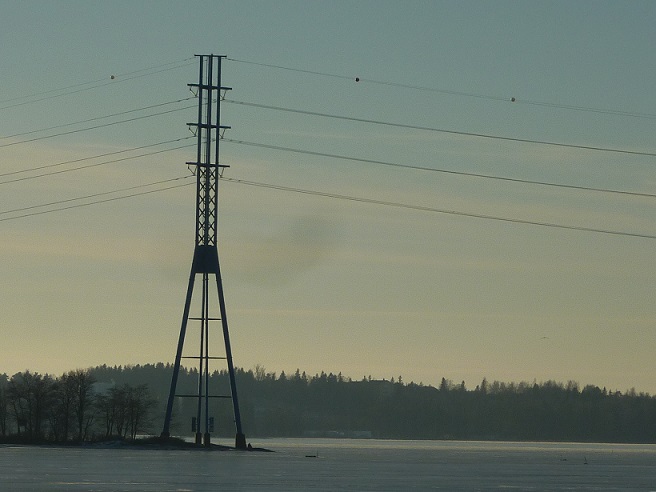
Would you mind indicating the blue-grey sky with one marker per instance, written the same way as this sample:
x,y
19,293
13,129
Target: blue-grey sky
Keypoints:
x,y
323,283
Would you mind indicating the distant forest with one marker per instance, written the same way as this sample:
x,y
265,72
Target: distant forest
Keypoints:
x,y
127,401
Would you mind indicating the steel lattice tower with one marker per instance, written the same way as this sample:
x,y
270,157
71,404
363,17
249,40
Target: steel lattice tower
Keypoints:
x,y
205,262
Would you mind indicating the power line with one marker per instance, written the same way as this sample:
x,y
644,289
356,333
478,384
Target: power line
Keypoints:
x,y
511,99
615,112
49,91
81,159
444,171
298,70
113,199
86,197
63,125
96,126
437,210
77,88
62,171
441,130
321,194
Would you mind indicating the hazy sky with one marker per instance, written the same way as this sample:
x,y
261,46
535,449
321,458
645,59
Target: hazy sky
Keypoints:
x,y
325,283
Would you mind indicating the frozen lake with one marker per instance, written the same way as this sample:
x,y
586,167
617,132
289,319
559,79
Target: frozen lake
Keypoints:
x,y
341,465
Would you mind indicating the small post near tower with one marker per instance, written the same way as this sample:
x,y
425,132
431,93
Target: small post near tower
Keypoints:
x,y
208,131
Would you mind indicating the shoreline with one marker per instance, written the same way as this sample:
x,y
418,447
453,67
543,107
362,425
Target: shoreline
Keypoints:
x,y
157,444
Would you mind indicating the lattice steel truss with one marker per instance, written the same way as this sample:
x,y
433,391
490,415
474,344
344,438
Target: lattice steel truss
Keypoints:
x,y
207,167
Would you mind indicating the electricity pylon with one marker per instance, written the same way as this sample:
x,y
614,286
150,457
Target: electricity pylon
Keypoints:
x,y
208,130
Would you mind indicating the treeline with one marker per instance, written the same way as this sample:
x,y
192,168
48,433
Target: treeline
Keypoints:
x,y
329,404
105,401
72,407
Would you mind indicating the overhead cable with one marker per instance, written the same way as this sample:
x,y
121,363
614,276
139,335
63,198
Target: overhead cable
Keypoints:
x,y
94,195
96,202
77,88
444,171
437,210
96,126
441,130
326,195
81,159
62,171
63,125
508,98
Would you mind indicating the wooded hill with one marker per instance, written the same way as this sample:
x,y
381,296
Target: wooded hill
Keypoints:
x,y
299,405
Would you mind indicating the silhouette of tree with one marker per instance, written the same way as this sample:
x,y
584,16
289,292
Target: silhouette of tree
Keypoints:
x,y
81,382
3,404
30,396
326,404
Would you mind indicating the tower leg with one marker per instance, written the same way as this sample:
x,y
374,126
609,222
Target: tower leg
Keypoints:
x,y
240,441
240,438
166,432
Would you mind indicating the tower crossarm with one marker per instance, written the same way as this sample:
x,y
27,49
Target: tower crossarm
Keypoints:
x,y
209,131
